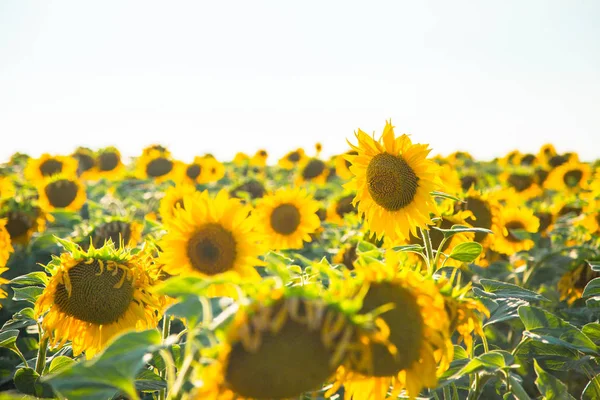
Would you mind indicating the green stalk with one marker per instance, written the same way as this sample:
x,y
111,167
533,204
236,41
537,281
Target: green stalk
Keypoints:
x,y
166,330
40,362
438,253
428,250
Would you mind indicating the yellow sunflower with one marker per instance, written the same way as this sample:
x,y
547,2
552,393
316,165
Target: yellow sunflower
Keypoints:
x,y
85,159
346,255
22,220
512,158
291,159
569,177
7,187
241,159
451,182
108,165
287,218
252,188
174,199
419,333
280,346
546,152
118,230
61,192
313,170
340,207
156,148
523,182
209,236
459,158
156,165
212,171
93,296
573,282
485,209
342,165
5,250
507,239
393,179
259,159
39,169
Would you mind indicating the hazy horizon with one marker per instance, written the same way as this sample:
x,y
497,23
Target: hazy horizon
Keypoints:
x,y
204,77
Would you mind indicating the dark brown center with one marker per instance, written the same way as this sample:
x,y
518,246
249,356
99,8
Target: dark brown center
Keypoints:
x,y
212,249
285,219
51,167
61,193
391,182
313,169
159,167
108,161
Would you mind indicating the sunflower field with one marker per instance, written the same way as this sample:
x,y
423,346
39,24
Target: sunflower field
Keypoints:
x,y
383,272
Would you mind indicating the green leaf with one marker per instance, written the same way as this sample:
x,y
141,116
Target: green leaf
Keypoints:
x,y
502,290
409,247
181,286
148,381
28,293
517,389
461,229
549,386
59,363
592,330
27,381
543,325
592,390
592,288
491,362
8,338
443,195
20,319
112,371
32,278
460,353
365,247
466,252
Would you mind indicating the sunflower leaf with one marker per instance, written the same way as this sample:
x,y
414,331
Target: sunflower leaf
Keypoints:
x,y
32,278
549,386
20,319
503,290
466,252
8,338
445,196
592,288
455,229
28,293
592,390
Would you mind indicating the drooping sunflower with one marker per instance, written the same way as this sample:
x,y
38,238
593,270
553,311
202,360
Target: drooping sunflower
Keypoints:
x,y
342,165
93,296
108,165
119,230
174,199
209,236
85,159
339,207
39,169
7,187
513,222
569,177
280,346
23,219
291,159
393,179
573,282
313,170
419,333
61,192
156,165
287,218
5,251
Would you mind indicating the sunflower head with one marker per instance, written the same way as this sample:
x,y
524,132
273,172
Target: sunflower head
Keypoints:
x,y
85,159
287,218
23,219
156,148
251,188
570,177
484,209
96,294
573,282
61,192
212,170
291,159
342,165
347,256
174,199
259,159
393,179
313,170
7,187
121,231
156,165
514,224
107,165
6,247
208,236
340,207
39,169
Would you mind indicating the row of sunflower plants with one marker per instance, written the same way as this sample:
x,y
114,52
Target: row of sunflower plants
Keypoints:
x,y
378,273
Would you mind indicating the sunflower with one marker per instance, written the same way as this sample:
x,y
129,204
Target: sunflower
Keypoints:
x,y
507,240
347,256
23,219
450,180
393,180
241,159
573,282
39,169
546,152
174,199
259,159
313,170
485,210
419,333
251,188
287,218
93,296
523,182
61,192
528,160
512,158
156,165
213,170
209,236
5,250
120,231
280,346
591,220
85,159
291,159
7,187
459,158
340,207
108,165
156,148
342,165
569,177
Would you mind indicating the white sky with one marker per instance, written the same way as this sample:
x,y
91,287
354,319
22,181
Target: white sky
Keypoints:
x,y
228,76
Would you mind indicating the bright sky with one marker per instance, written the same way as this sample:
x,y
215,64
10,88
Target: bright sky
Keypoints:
x,y
228,76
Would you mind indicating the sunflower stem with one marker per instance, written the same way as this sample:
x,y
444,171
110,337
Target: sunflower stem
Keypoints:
x,y
428,250
438,252
166,330
40,362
